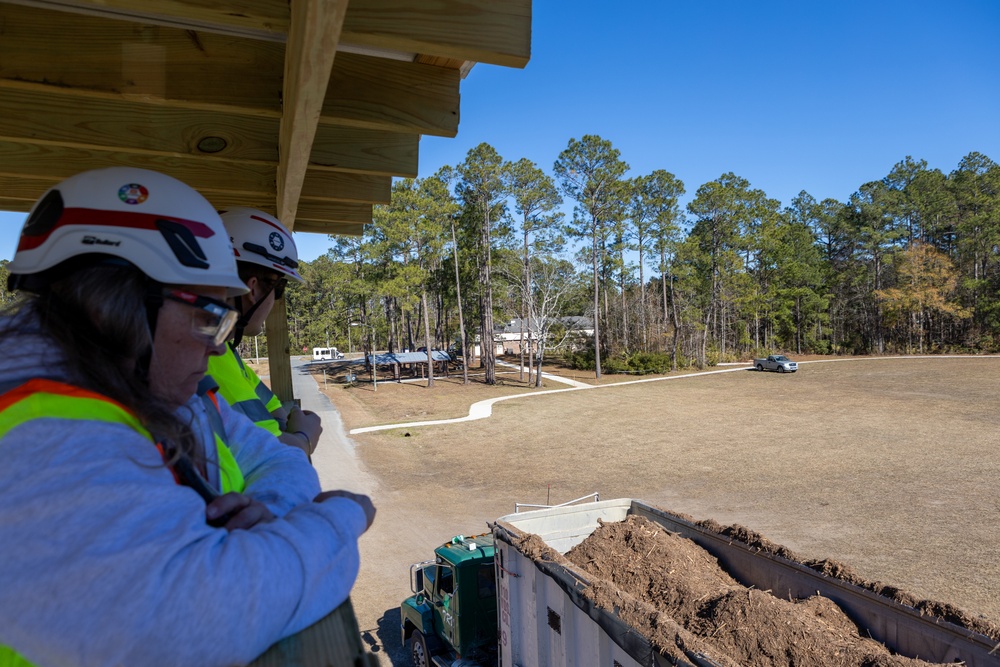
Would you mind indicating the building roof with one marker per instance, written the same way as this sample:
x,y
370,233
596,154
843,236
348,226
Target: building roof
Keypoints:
x,y
408,357
574,322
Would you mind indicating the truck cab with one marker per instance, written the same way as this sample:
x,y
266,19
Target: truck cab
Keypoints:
x,y
776,362
452,614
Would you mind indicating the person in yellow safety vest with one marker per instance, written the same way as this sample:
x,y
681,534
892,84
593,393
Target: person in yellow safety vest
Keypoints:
x,y
144,521
266,258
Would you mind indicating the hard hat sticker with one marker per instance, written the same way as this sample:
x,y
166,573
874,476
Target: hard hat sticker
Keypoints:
x,y
133,193
276,241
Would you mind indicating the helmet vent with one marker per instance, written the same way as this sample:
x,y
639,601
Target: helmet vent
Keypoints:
x,y
46,215
183,243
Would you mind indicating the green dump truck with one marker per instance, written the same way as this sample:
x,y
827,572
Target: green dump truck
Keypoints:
x,y
493,600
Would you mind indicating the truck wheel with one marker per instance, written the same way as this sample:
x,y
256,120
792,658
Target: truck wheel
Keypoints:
x,y
760,367
418,650
781,369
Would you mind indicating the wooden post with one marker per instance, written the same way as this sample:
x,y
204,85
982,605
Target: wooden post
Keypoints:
x,y
278,352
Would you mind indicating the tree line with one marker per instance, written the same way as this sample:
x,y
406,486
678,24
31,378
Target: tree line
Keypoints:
x,y
908,264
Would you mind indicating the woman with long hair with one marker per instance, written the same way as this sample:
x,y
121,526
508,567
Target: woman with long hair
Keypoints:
x,y
143,521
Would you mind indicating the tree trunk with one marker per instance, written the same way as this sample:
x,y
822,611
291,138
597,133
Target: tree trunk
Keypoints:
x,y
642,302
541,352
427,337
625,341
524,312
597,312
677,327
461,320
489,348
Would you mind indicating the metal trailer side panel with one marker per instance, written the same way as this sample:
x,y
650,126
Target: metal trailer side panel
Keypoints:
x,y
901,628
544,625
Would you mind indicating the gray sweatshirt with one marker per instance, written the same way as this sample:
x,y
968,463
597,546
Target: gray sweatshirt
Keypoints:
x,y
105,560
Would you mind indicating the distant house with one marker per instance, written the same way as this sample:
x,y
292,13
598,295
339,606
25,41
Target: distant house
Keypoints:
x,y
508,337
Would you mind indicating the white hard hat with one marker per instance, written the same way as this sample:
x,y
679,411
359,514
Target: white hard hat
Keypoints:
x,y
162,226
258,238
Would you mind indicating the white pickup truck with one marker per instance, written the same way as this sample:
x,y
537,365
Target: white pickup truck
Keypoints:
x,y
776,362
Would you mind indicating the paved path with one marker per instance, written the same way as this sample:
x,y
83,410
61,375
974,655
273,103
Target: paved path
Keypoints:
x,y
548,376
334,459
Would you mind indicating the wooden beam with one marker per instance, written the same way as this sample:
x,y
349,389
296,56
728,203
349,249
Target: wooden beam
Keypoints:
x,y
47,161
346,187
41,113
335,228
487,31
484,31
149,63
365,152
381,94
335,212
312,44
16,205
48,118
278,352
18,193
178,68
256,19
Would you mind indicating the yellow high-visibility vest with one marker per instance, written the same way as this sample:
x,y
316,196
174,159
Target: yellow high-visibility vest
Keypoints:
x,y
40,398
244,391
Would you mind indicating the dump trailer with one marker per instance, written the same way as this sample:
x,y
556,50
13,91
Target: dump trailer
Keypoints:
x,y
543,617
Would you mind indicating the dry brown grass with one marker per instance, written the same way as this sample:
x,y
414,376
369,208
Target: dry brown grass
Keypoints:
x,y
890,466
392,402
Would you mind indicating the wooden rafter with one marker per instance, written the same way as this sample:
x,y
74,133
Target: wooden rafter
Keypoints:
x,y
486,31
365,91
312,45
199,89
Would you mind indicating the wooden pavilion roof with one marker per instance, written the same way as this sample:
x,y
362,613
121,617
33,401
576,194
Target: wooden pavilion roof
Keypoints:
x,y
305,109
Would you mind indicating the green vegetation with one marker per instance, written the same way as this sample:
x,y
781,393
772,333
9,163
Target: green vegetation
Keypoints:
x,y
907,264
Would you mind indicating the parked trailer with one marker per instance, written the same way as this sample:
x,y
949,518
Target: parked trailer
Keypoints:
x,y
544,619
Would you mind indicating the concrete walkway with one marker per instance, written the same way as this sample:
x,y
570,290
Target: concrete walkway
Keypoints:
x,y
548,376
334,459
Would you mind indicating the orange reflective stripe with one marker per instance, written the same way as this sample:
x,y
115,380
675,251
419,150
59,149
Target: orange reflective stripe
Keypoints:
x,y
39,385
47,394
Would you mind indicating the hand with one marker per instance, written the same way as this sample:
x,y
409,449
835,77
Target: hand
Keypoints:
x,y
307,422
235,511
364,501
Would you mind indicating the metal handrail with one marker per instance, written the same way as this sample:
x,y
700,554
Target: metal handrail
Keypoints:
x,y
596,496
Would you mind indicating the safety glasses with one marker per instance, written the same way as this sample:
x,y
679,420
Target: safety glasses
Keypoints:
x,y
214,320
278,285
264,252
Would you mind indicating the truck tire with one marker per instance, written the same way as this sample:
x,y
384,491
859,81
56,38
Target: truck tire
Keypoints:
x,y
781,369
760,367
419,654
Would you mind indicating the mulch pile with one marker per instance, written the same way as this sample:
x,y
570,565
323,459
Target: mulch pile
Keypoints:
x,y
678,596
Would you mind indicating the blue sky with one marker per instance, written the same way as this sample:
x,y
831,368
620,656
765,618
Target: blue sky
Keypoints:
x,y
792,96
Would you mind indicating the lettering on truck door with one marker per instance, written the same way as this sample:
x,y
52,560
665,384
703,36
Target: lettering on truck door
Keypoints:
x,y
444,590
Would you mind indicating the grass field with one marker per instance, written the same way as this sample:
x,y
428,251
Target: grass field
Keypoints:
x,y
890,466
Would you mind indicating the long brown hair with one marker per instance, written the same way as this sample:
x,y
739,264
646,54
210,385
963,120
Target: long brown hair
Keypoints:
x,y
96,317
